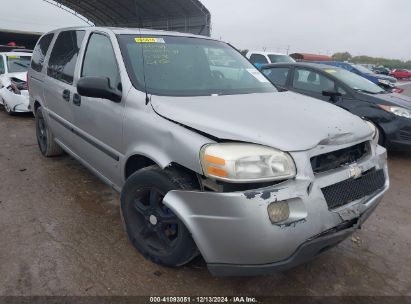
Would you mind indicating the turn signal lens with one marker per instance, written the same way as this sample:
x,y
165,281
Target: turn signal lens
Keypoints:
x,y
217,172
214,160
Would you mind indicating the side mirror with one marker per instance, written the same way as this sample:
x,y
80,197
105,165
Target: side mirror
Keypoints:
x,y
333,95
97,87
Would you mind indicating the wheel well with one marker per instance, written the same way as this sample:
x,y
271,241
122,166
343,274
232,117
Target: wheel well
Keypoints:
x,y
137,162
36,106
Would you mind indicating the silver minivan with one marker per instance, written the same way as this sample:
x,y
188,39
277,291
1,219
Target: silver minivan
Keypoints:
x,y
208,156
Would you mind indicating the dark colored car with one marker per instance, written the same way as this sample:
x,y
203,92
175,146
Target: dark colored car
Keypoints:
x,y
381,71
391,113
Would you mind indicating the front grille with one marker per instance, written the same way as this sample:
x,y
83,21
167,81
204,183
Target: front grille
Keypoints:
x,y
350,190
405,134
339,158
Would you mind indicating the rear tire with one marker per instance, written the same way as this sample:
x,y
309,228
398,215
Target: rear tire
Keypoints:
x,y
45,139
153,229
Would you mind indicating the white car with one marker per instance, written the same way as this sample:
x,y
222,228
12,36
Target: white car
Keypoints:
x,y
261,58
14,95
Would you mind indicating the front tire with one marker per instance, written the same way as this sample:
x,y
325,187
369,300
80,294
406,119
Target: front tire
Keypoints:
x,y
45,138
154,230
7,108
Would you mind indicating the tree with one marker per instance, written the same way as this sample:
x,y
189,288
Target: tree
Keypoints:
x,y
342,56
389,63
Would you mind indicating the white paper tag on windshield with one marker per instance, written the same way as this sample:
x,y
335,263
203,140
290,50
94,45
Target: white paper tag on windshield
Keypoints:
x,y
257,75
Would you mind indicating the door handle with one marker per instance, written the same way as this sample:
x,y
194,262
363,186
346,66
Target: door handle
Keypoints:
x,y
66,95
77,99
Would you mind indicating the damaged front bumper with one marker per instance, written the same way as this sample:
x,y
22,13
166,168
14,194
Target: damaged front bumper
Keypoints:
x,y
18,103
234,233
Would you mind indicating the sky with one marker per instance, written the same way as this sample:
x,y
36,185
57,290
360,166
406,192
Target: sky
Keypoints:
x,y
361,27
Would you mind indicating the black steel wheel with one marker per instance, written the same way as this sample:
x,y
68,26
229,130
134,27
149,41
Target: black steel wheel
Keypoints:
x,y
45,139
157,225
41,131
152,227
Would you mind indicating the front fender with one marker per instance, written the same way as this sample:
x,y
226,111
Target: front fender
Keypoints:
x,y
162,141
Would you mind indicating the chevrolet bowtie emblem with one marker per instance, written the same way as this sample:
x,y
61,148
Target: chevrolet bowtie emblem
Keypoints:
x,y
355,172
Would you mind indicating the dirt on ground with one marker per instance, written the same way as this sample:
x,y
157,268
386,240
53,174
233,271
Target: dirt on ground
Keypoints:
x,y
61,234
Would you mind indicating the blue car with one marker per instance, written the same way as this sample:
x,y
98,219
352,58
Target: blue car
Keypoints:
x,y
380,80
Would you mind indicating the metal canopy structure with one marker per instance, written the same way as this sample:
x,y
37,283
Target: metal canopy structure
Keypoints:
x,y
22,39
189,16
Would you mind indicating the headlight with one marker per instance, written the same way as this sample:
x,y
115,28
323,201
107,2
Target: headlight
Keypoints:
x,y
386,82
375,132
245,163
402,112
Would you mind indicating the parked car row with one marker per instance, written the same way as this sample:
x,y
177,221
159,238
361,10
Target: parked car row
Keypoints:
x,y
396,73
209,156
381,76
385,82
391,113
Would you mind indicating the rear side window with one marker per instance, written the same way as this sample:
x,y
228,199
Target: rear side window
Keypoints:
x,y
63,58
39,53
2,67
258,59
278,76
100,60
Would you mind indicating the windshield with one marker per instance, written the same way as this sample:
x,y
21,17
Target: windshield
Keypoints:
x,y
362,69
355,81
183,66
18,64
280,58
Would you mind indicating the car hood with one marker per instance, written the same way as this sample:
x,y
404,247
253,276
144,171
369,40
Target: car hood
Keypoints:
x,y
391,99
286,121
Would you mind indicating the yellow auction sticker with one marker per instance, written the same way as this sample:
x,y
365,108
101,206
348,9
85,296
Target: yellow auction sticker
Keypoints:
x,y
13,57
330,71
149,40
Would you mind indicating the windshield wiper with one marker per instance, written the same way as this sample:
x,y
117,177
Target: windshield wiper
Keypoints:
x,y
21,64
